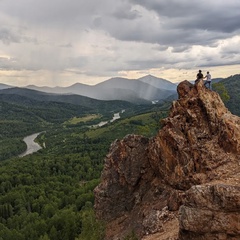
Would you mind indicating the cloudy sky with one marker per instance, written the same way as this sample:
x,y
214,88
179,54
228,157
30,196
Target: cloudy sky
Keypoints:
x,y
60,42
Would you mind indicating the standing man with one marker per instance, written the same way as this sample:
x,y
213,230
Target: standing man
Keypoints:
x,y
208,81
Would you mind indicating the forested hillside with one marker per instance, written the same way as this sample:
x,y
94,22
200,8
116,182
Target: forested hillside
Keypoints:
x,y
11,93
24,111
49,194
232,86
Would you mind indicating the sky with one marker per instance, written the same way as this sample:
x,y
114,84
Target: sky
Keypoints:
x,y
61,42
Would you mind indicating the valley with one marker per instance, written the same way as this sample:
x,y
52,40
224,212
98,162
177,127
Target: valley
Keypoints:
x,y
33,146
49,194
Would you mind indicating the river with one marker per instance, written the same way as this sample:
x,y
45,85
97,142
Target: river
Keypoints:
x,y
34,147
115,117
31,145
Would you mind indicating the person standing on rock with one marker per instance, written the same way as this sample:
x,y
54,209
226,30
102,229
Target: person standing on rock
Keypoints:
x,y
208,81
199,76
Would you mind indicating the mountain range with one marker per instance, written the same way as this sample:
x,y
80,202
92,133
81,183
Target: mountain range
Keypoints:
x,y
142,90
28,98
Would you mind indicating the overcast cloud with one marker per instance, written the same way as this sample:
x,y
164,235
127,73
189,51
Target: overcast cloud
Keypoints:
x,y
60,42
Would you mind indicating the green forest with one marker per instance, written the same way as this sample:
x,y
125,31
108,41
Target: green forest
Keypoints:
x,y
229,90
48,195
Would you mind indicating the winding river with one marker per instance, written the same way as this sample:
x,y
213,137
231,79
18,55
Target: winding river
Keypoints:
x,y
31,145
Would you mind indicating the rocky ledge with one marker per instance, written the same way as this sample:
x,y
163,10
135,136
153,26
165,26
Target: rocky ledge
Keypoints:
x,y
184,183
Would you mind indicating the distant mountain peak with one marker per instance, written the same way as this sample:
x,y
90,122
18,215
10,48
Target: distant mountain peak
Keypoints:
x,y
79,84
148,75
158,82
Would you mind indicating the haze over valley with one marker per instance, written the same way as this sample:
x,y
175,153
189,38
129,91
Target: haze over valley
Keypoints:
x,y
145,89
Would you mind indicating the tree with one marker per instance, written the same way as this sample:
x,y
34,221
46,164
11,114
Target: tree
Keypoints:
x,y
222,91
92,229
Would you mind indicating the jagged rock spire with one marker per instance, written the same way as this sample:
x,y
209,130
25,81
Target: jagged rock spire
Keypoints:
x,y
199,144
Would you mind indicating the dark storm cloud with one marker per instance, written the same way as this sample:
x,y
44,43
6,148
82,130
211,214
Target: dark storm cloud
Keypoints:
x,y
177,23
215,15
169,7
126,12
186,22
106,37
180,49
211,21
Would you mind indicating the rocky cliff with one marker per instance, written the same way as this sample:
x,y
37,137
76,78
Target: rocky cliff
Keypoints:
x,y
184,183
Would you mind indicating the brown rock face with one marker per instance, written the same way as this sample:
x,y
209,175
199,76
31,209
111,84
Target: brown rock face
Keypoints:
x,y
211,212
193,162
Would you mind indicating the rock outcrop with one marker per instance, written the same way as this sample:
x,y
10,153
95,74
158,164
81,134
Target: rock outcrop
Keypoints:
x,y
184,183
